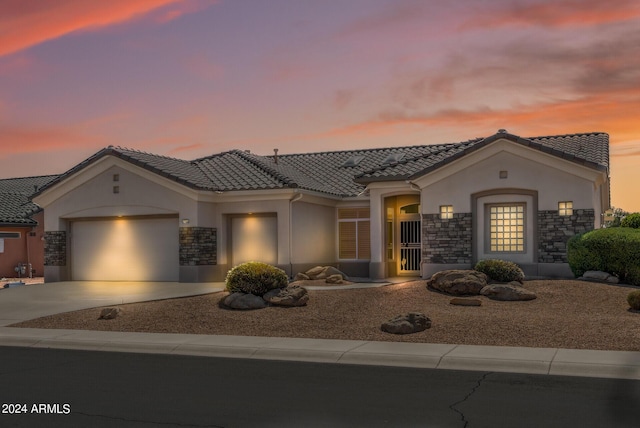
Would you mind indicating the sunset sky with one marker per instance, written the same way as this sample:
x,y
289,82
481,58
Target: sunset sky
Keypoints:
x,y
189,78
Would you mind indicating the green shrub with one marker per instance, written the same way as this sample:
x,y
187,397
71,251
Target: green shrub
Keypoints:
x,y
633,299
631,220
613,250
500,270
255,278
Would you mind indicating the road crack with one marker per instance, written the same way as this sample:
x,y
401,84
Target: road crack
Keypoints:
x,y
473,390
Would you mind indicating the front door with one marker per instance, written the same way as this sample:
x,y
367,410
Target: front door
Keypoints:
x,y
409,232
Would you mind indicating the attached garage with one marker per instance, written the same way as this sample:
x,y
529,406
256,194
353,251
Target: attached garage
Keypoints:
x,y
125,249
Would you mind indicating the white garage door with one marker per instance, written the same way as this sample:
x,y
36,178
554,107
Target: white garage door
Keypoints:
x,y
125,249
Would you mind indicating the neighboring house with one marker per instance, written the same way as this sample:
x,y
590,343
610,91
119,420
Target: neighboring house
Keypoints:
x,y
128,215
21,227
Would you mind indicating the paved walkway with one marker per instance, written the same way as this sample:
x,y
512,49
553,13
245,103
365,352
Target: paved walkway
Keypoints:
x,y
29,302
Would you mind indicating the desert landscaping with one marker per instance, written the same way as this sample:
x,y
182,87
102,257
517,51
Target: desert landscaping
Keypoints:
x,y
566,314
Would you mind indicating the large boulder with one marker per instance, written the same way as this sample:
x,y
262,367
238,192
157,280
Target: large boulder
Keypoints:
x,y
599,276
293,295
334,279
458,282
322,272
244,301
301,277
512,291
412,322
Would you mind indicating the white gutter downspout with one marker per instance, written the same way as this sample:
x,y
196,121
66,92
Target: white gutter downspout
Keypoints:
x,y
296,198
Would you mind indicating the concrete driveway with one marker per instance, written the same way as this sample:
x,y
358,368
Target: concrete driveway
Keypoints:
x,y
37,300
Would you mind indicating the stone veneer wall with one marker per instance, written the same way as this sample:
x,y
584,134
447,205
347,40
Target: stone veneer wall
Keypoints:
x,y
555,230
198,246
447,241
55,248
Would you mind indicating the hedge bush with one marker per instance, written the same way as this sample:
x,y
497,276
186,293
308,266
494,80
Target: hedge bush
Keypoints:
x,y
633,299
631,220
614,250
500,270
255,278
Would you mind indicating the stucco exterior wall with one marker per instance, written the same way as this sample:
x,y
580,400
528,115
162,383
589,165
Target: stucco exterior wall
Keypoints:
x,y
137,196
313,237
522,173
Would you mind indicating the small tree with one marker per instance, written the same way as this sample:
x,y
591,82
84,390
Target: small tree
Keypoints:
x,y
631,220
618,215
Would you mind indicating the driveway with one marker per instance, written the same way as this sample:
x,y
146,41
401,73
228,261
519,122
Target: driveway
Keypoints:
x,y
33,301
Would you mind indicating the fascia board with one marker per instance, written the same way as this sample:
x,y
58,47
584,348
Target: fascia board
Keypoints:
x,y
264,195
98,167
506,146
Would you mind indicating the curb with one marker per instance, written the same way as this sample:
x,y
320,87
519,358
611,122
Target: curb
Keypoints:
x,y
544,361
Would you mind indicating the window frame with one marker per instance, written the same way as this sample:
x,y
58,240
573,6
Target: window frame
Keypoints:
x,y
362,224
446,212
565,208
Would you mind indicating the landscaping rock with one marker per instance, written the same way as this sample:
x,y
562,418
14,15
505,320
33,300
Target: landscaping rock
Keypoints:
x,y
458,282
412,322
313,272
322,272
289,296
599,276
109,313
301,277
334,279
458,301
512,291
244,301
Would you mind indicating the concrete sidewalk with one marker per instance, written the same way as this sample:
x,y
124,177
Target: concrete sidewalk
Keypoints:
x,y
34,301
567,362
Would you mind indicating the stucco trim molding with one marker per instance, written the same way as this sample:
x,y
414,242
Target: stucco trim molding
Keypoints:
x,y
533,194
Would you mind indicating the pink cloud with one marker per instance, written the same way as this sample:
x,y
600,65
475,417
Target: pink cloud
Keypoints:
x,y
25,24
21,140
552,13
184,7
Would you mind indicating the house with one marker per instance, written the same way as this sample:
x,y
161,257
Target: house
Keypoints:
x,y
21,227
128,215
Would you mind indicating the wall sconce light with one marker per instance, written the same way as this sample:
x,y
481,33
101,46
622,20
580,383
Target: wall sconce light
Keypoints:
x,y
185,221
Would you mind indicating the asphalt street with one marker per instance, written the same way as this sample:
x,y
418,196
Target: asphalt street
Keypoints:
x,y
71,388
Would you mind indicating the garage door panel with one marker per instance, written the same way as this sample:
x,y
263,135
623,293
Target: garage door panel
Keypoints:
x,y
125,250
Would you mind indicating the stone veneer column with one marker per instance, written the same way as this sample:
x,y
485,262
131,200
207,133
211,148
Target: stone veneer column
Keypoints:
x,y
555,230
447,241
198,246
55,248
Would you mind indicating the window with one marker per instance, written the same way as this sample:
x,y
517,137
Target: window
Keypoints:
x,y
354,240
565,208
410,209
389,233
506,226
10,235
446,211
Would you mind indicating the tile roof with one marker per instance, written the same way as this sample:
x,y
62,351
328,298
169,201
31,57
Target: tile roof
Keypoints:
x,y
330,173
16,207
590,150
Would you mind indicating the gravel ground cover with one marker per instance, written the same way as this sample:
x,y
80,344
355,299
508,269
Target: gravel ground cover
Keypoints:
x,y
566,314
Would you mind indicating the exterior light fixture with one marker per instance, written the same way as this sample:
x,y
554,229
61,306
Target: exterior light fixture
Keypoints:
x,y
185,221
